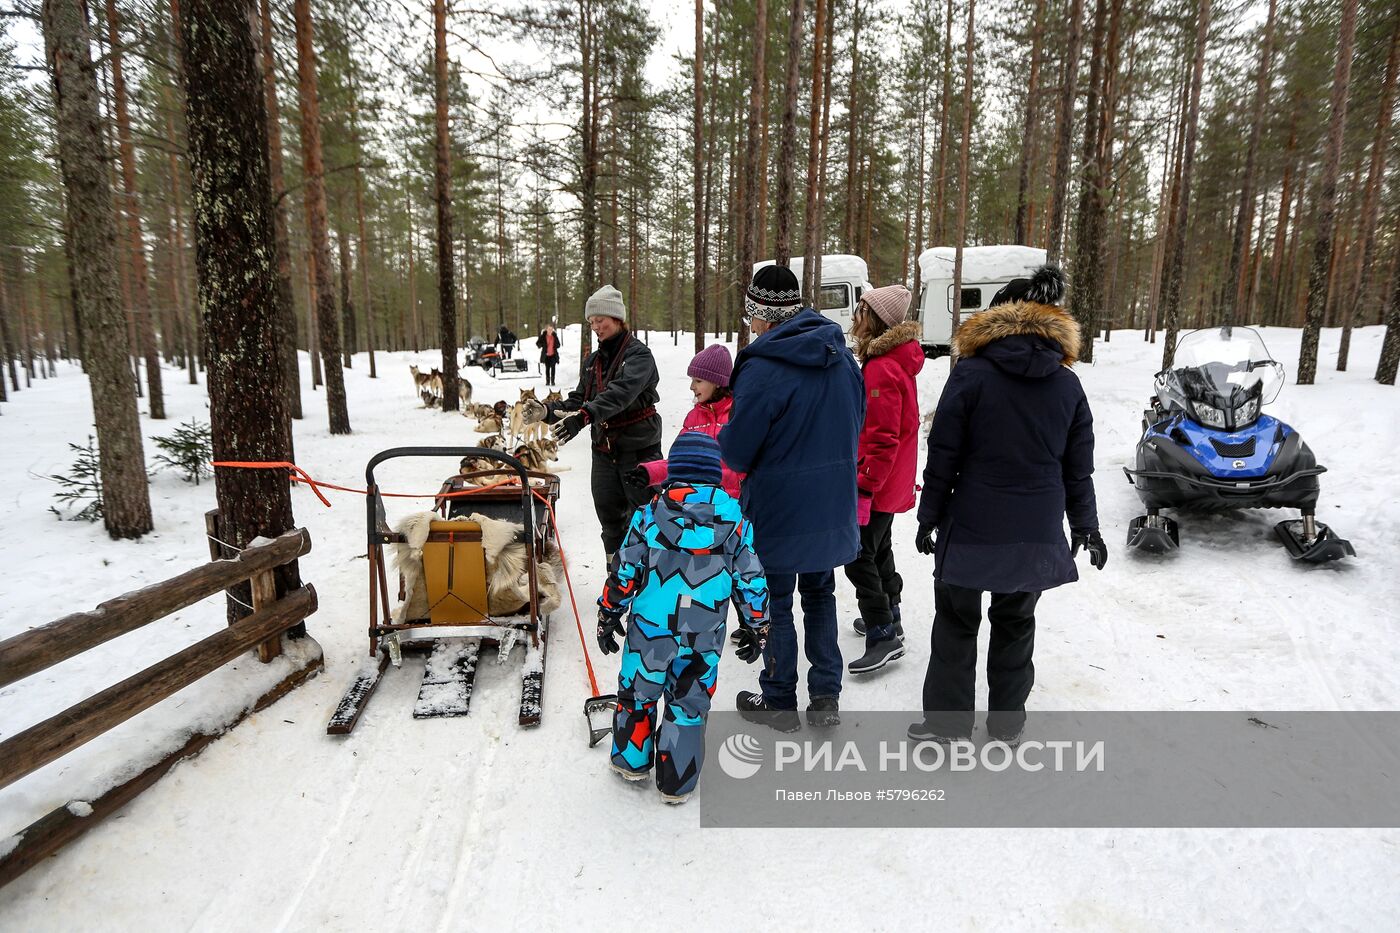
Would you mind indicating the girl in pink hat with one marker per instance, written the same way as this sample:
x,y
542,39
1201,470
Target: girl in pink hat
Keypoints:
x,y
709,373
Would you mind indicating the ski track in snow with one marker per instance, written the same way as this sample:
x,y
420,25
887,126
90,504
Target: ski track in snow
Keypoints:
x,y
475,823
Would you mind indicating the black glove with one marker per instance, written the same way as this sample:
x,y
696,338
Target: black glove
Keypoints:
x,y
637,477
749,643
551,413
924,540
608,630
567,428
1092,542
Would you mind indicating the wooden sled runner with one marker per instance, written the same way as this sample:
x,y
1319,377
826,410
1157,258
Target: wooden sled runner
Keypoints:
x,y
458,627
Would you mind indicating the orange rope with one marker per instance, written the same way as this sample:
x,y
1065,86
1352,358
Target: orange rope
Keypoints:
x,y
578,620
298,475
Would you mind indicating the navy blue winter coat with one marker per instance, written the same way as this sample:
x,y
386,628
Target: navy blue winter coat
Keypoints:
x,y
799,403
1011,453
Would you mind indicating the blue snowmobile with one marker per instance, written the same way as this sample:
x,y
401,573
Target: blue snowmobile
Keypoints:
x,y
1207,447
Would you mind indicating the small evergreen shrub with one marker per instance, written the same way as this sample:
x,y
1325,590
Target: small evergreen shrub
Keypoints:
x,y
189,448
82,484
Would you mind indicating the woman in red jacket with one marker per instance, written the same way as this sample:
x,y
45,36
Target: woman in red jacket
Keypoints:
x,y
888,347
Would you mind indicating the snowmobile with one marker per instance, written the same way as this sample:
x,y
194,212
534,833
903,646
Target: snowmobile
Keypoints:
x,y
1207,446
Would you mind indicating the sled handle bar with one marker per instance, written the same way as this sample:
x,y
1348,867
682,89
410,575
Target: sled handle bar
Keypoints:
x,y
376,505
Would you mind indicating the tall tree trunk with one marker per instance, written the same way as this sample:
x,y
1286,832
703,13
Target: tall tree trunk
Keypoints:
x,y
811,234
1320,272
131,209
314,192
1028,125
1244,219
82,160
286,306
1370,209
1087,294
588,195
347,301
828,58
853,114
752,166
964,145
442,174
1389,361
1171,301
699,207
787,146
362,240
1059,186
412,274
238,278
1285,208
940,187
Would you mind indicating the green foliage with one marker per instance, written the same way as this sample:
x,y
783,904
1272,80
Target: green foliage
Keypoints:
x,y
188,448
82,484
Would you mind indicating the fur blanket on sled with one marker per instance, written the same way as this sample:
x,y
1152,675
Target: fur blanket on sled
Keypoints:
x,y
507,567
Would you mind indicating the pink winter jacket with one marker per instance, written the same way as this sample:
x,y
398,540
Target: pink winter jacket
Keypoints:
x,y
708,417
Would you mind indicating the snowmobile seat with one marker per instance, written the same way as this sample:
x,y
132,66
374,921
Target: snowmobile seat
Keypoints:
x,y
454,572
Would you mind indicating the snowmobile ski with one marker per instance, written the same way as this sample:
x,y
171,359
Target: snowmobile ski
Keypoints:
x,y
1319,548
1155,534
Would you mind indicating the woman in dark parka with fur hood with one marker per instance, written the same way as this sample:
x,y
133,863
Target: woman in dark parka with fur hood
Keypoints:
x,y
1010,455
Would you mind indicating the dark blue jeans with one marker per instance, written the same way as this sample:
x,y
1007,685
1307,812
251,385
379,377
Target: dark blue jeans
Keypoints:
x,y
778,679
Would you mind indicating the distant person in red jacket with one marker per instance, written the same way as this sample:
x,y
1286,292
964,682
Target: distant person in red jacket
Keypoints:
x,y
887,346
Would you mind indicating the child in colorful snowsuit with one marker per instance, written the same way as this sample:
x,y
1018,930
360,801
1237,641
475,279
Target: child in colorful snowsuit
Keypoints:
x,y
709,374
686,554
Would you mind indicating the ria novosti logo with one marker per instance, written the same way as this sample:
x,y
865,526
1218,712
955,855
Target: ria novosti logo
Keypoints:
x,y
740,756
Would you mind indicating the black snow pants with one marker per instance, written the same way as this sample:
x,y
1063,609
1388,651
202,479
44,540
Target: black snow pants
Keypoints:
x,y
613,500
872,573
951,682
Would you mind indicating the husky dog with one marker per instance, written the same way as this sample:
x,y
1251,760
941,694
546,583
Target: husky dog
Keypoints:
x,y
421,381
548,447
490,424
429,399
530,458
554,396
527,417
464,391
494,442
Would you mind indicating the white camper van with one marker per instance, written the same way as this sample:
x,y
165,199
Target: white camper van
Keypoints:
x,y
985,270
844,280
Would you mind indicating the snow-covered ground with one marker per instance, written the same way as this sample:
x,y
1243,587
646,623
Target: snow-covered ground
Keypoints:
x,y
474,823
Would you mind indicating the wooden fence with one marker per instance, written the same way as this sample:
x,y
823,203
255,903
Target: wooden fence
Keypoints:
x,y
41,648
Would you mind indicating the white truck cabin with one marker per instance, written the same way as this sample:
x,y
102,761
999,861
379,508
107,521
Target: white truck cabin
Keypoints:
x,y
844,280
985,270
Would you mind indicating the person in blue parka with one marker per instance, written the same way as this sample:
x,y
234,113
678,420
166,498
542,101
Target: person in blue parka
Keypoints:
x,y
799,403
1010,456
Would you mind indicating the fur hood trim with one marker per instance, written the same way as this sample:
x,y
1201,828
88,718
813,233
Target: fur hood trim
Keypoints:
x,y
896,336
1019,317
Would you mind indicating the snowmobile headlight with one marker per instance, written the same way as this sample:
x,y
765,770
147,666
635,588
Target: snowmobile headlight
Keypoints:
x,y
1246,414
1209,416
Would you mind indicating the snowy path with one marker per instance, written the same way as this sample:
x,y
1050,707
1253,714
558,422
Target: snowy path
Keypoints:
x,y
474,823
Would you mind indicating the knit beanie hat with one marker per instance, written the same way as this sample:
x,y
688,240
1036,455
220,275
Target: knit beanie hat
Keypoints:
x,y
712,364
1046,286
605,302
694,458
890,303
773,295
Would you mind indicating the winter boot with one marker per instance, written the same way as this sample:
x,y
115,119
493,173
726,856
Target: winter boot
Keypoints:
x,y
924,732
629,776
754,708
859,624
881,647
823,712
675,799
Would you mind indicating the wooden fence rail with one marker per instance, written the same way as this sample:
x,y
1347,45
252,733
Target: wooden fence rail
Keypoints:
x,y
43,647
39,648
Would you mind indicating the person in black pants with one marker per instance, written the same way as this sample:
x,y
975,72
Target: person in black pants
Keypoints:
x,y
1010,456
506,339
548,343
616,399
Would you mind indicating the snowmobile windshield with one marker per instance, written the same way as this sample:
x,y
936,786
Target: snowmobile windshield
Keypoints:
x,y
1222,377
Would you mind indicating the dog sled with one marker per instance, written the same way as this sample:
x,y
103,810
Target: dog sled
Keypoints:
x,y
480,572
